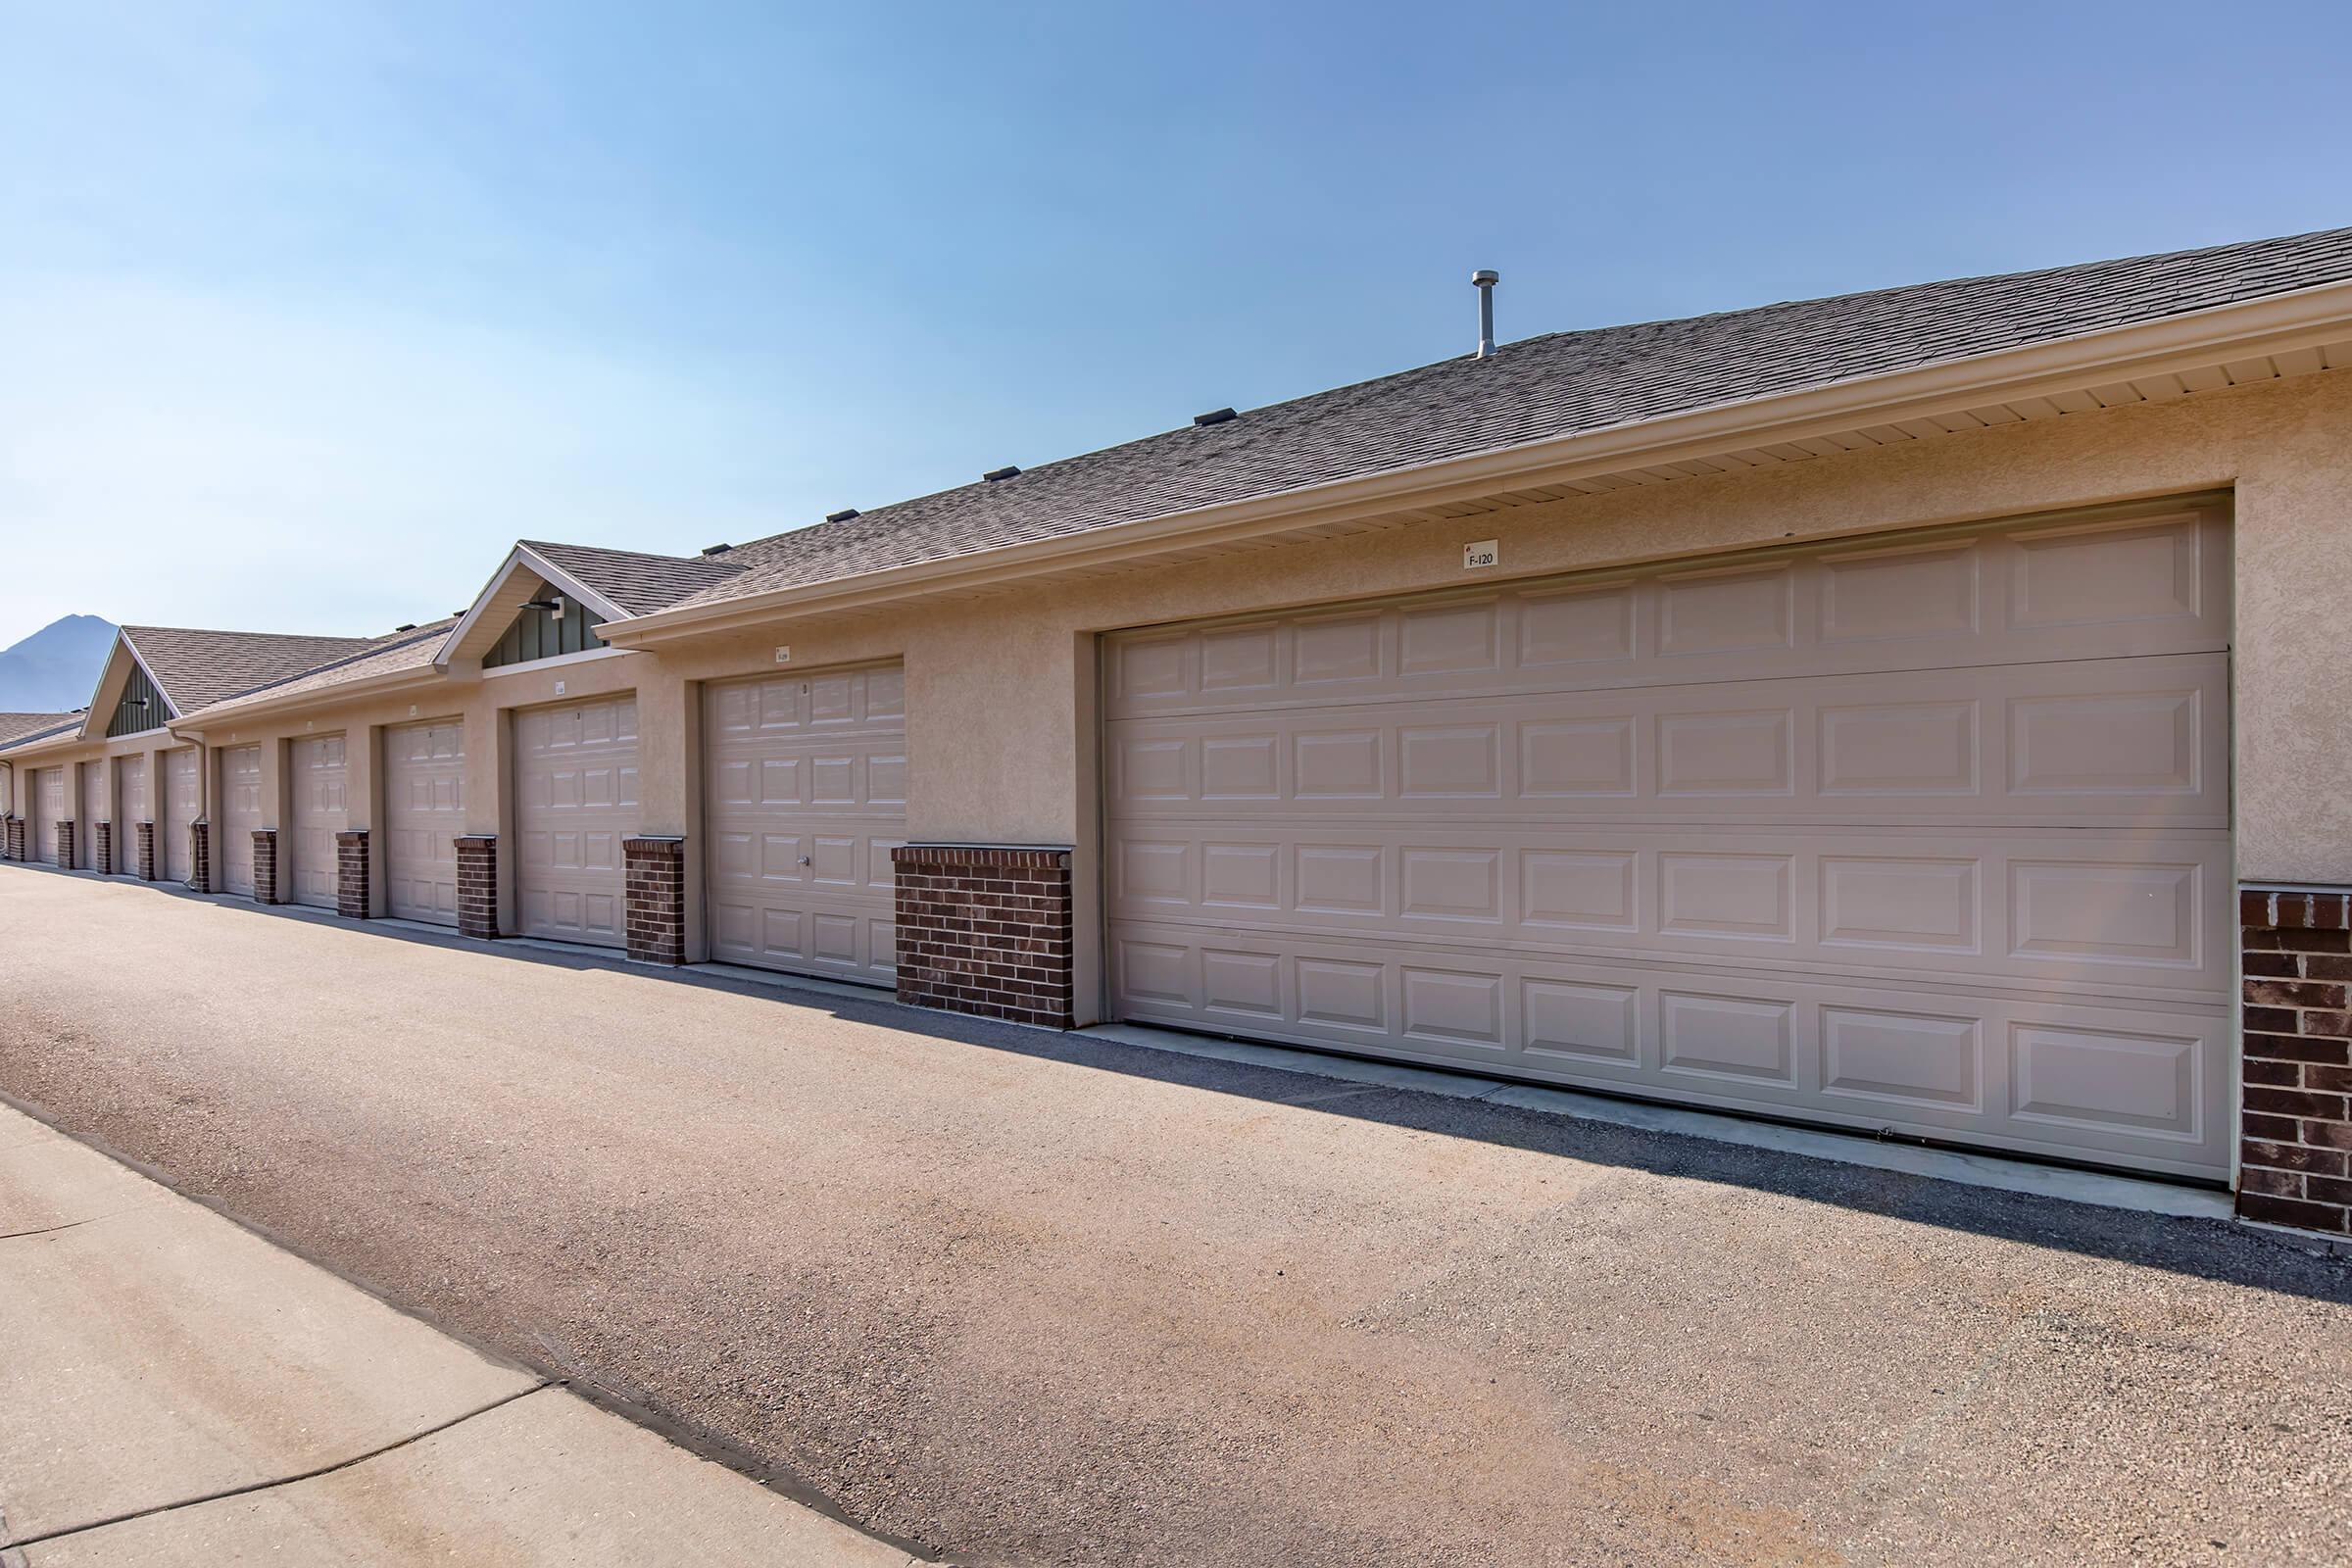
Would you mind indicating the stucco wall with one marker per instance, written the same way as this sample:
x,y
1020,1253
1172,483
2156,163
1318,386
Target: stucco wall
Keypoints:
x,y
1001,688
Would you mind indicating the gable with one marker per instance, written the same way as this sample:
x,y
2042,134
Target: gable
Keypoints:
x,y
140,707
537,632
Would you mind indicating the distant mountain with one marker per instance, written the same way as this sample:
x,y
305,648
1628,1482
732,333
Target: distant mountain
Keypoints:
x,y
54,670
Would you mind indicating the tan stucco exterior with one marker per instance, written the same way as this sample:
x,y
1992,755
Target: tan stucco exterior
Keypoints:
x,y
1001,688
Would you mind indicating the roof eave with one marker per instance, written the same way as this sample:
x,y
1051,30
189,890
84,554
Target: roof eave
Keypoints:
x,y
266,703
2275,323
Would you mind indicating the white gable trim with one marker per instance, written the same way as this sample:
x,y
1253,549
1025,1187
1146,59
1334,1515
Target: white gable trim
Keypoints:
x,y
485,620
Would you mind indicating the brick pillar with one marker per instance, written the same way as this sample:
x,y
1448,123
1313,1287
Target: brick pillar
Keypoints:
x,y
654,876
264,865
65,844
12,839
477,885
985,930
102,848
350,873
2297,1124
145,863
200,856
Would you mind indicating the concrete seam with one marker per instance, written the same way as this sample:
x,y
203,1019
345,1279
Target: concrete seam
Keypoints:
x,y
75,1224
282,1481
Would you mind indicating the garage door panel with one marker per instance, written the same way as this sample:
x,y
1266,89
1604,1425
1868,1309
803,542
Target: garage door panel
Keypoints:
x,y
2140,1084
806,798
48,811
182,804
576,793
94,808
240,815
320,783
2136,742
2143,585
1929,834
130,809
2038,910
424,813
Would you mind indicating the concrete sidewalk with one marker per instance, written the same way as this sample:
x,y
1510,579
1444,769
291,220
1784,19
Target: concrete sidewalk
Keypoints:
x,y
176,1390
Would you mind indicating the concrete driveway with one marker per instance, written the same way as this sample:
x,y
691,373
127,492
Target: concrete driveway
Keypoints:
x,y
1027,1299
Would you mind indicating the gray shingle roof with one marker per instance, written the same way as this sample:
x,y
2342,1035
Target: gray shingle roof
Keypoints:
x,y
29,726
412,649
1566,384
638,583
198,668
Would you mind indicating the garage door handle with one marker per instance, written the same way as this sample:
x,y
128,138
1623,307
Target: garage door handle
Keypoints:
x,y
803,859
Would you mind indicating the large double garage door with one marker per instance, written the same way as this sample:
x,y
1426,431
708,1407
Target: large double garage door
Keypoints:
x,y
1929,835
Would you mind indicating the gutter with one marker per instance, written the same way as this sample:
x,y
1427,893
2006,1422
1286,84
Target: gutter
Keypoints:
x,y
2276,323
236,710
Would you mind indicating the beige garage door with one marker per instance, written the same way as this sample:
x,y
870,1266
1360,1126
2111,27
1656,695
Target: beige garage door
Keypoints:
x,y
130,809
94,810
575,799
807,784
424,812
48,810
1927,835
239,815
320,811
183,802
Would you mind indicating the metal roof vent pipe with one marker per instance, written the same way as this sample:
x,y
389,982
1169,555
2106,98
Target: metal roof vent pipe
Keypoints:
x,y
1484,280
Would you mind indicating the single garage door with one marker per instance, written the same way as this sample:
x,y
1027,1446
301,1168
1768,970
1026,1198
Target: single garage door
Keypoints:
x,y
320,811
48,810
1928,835
240,813
575,799
183,802
806,785
130,809
424,812
94,810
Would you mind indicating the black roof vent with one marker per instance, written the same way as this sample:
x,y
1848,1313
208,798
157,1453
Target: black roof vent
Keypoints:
x,y
994,474
842,515
716,550
411,626
1216,416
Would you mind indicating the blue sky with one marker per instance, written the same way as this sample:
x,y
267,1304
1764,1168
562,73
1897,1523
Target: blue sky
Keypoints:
x,y
306,312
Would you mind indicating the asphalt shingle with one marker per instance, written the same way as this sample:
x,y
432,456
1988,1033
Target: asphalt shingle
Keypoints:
x,y
197,669
16,727
639,583
412,649
1565,384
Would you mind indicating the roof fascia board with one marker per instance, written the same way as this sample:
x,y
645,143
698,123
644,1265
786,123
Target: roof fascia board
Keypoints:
x,y
489,601
2276,323
264,702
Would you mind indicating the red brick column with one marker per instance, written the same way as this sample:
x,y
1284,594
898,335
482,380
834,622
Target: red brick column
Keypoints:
x,y
2297,1125
985,929
200,856
654,876
350,873
65,844
264,865
477,885
144,865
102,848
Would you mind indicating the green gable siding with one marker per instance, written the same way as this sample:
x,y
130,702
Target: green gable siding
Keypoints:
x,y
540,634
142,707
